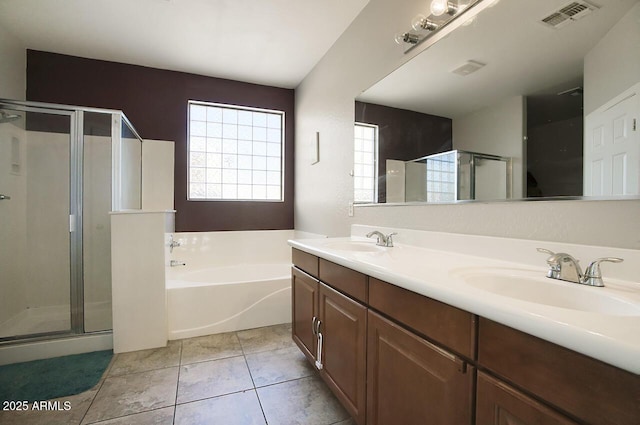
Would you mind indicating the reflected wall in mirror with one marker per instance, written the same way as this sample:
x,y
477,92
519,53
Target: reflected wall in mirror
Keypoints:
x,y
560,98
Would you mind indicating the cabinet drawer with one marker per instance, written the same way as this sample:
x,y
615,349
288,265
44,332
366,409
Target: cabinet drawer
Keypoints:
x,y
304,261
441,322
499,404
343,279
590,390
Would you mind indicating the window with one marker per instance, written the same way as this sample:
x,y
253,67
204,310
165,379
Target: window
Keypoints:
x,y
235,153
365,155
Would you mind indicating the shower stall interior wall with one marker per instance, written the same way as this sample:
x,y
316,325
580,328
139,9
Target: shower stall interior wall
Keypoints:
x,y
62,170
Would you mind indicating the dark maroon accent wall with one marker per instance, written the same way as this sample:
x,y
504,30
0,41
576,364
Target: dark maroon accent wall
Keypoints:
x,y
404,135
155,101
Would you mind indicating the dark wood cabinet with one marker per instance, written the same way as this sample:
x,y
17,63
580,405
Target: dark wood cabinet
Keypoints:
x,y
393,356
343,326
331,330
500,404
592,391
304,305
411,381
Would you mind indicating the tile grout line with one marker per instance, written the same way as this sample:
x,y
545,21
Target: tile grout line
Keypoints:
x,y
244,355
175,401
102,381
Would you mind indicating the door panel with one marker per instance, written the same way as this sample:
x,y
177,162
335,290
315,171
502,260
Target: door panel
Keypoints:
x,y
412,382
304,293
344,332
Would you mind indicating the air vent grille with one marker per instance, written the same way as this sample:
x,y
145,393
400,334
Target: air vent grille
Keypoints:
x,y
569,13
573,9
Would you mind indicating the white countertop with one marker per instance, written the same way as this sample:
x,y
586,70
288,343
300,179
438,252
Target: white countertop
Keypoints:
x,y
439,274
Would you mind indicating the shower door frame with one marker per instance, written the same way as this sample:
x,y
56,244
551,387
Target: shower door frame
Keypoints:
x,y
76,134
76,290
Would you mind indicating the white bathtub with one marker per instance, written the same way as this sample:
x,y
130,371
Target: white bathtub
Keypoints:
x,y
224,299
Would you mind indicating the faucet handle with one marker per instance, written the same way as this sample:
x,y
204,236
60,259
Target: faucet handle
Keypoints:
x,y
545,251
552,261
389,238
593,274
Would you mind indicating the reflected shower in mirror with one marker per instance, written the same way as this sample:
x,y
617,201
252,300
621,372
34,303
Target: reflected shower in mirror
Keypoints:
x,y
559,96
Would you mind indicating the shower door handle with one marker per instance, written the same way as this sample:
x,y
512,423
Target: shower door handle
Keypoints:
x,y
4,197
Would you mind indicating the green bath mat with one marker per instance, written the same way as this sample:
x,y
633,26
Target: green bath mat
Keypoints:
x,y
41,380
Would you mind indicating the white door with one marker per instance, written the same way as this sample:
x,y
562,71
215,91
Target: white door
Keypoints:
x,y
612,147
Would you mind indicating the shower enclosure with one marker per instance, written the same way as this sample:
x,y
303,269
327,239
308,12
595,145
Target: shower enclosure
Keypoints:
x,y
62,170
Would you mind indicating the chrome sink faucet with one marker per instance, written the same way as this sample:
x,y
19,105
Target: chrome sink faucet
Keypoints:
x,y
382,239
563,266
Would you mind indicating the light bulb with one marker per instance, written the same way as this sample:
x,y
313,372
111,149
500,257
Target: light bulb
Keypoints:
x,y
406,37
421,22
439,7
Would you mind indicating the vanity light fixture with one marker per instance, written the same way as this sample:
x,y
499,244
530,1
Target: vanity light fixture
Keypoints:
x,y
442,13
421,22
440,7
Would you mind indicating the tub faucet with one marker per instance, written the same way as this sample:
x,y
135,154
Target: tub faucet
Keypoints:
x,y
174,263
382,239
563,266
172,243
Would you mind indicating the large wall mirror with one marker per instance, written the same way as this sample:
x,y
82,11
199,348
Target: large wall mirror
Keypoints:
x,y
544,93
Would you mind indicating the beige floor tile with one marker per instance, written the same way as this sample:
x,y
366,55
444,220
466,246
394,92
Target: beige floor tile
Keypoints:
x,y
162,416
233,409
134,393
78,405
210,347
306,401
266,339
272,367
143,360
214,378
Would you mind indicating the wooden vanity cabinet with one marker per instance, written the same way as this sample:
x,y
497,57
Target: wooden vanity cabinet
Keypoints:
x,y
323,315
499,404
392,356
413,382
593,392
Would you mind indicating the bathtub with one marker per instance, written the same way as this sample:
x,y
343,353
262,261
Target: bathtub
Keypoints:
x,y
231,281
224,299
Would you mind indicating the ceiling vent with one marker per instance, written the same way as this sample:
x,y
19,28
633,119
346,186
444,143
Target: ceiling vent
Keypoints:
x,y
571,12
468,68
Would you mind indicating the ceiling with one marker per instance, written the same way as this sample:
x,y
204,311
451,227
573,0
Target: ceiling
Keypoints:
x,y
522,55
272,42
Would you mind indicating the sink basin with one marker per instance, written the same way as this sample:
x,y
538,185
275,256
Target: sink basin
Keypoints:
x,y
555,293
353,246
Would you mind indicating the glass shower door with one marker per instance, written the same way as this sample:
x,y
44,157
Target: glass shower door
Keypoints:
x,y
36,212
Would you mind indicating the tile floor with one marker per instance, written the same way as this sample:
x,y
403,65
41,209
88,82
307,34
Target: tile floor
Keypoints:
x,y
257,376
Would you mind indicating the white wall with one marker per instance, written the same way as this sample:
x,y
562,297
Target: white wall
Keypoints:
x,y
364,54
613,65
497,130
157,175
13,67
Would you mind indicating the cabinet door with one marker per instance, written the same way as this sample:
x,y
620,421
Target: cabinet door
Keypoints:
x,y
411,381
499,404
343,325
304,294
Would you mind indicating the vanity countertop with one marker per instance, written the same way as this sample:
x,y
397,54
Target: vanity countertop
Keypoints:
x,y
612,335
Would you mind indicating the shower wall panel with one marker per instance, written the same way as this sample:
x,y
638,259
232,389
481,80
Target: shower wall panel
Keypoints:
x,y
48,242
13,229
